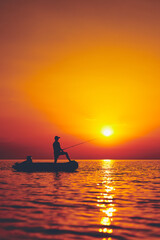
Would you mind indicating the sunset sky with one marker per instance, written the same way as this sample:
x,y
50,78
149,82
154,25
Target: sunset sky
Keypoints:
x,y
74,68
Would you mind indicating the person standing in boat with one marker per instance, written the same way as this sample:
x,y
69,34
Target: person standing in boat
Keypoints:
x,y
58,150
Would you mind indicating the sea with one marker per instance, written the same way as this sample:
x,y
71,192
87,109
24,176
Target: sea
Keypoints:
x,y
104,199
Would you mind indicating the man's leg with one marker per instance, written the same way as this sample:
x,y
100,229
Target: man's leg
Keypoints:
x,y
55,159
67,156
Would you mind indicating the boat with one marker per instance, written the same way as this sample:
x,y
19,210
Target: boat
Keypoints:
x,y
46,167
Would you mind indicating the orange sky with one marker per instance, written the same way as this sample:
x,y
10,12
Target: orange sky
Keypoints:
x,y
71,68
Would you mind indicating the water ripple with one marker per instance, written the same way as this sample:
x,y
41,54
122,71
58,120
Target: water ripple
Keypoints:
x,y
102,200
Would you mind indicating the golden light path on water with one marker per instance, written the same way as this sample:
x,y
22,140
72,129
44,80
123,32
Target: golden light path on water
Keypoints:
x,y
105,201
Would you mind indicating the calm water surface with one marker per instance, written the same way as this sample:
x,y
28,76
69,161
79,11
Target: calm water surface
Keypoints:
x,y
104,199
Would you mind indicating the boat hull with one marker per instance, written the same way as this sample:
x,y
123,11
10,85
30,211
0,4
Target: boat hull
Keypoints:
x,y
46,167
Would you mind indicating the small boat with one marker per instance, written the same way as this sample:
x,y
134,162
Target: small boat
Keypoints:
x,y
46,167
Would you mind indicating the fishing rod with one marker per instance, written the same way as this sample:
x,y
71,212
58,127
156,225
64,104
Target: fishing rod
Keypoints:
x,y
79,144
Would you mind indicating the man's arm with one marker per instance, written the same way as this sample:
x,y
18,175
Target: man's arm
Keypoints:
x,y
61,150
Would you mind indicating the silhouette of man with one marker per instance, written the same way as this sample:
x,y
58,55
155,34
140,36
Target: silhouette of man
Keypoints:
x,y
58,150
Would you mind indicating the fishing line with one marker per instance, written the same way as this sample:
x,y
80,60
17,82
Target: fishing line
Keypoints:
x,y
79,144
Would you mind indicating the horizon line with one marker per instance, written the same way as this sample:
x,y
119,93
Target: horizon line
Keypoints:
x,y
85,159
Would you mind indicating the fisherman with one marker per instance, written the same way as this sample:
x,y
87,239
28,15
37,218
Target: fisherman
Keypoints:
x,y
58,150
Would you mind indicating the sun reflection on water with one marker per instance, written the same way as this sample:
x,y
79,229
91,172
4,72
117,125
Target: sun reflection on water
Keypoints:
x,y
105,200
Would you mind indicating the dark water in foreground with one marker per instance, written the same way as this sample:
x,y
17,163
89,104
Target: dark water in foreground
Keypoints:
x,y
114,199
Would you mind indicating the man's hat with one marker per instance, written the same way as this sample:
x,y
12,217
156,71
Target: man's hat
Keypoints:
x,y
56,137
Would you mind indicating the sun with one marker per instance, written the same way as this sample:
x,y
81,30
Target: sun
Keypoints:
x,y
107,132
